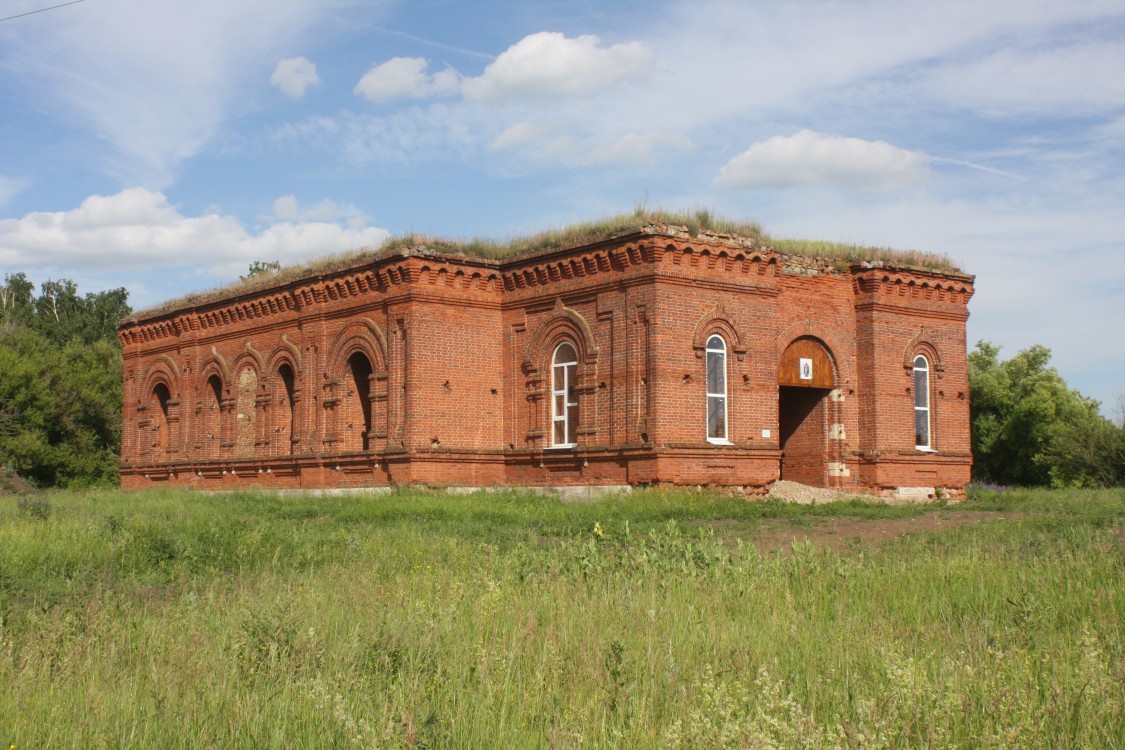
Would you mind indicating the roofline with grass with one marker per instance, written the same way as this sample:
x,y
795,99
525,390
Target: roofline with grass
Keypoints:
x,y
485,253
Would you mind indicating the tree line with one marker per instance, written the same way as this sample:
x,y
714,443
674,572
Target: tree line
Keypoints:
x,y
1030,429
60,400
60,382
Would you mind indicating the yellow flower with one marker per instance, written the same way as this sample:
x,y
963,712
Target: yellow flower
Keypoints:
x,y
598,530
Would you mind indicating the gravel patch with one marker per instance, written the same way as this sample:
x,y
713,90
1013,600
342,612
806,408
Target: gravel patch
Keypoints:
x,y
802,494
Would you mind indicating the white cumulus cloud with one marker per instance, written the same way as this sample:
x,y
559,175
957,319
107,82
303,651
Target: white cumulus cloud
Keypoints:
x,y
551,65
810,158
294,76
405,78
139,229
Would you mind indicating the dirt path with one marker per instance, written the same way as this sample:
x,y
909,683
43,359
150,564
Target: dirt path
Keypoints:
x,y
12,484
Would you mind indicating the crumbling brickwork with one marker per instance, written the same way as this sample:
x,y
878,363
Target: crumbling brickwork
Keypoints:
x,y
420,367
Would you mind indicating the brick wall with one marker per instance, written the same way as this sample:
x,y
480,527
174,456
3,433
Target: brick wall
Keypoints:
x,y
437,369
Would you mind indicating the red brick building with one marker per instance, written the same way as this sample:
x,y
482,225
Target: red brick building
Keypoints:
x,y
649,357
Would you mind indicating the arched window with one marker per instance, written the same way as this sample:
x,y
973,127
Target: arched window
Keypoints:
x,y
358,407
922,437
162,395
564,397
716,390
212,426
286,416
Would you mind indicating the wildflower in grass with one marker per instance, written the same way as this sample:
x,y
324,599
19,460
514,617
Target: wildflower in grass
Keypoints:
x,y
760,714
598,533
358,730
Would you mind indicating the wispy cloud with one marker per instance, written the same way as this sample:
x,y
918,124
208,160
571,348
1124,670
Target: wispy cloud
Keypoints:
x,y
431,43
524,133
288,209
156,80
1067,81
553,141
404,137
9,188
725,58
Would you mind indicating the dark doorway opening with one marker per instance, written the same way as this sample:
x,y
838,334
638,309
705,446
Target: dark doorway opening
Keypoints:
x,y
212,426
163,396
286,419
803,427
359,411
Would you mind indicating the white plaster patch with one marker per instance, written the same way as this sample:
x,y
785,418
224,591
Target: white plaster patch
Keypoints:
x,y
914,494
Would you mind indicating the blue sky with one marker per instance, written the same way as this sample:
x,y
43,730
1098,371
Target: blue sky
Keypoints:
x,y
165,146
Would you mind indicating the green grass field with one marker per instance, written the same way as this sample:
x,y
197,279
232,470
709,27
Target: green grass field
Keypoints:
x,y
661,619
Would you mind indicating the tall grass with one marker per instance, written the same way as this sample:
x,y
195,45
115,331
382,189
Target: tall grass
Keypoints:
x,y
421,620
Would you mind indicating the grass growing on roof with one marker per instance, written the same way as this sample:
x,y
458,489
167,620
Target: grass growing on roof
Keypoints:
x,y
573,235
859,253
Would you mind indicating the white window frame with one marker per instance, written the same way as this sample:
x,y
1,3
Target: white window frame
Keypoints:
x,y
568,371
923,369
712,348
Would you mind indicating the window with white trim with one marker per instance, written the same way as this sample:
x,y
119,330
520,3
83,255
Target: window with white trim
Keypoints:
x,y
564,396
922,437
717,390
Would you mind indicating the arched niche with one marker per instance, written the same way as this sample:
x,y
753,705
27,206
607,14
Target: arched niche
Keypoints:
x,y
807,363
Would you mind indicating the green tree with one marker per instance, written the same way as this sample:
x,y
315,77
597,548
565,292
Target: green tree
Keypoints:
x,y
17,301
60,382
1087,453
1029,428
61,315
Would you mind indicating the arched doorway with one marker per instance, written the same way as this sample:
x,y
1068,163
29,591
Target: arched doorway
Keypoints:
x,y
805,378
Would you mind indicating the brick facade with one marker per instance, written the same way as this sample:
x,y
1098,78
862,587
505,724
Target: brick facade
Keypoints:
x,y
420,367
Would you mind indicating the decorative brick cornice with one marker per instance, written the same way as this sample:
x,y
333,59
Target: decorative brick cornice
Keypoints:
x,y
309,293
574,265
655,251
710,256
898,286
